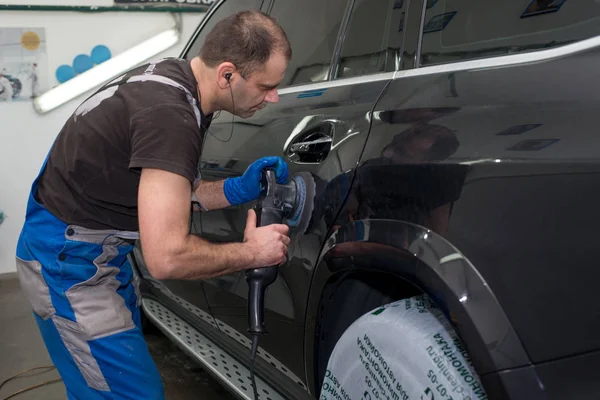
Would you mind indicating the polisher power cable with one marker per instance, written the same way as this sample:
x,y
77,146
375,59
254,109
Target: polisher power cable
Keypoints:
x,y
292,204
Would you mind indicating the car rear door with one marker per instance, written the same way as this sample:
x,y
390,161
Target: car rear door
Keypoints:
x,y
319,98
490,142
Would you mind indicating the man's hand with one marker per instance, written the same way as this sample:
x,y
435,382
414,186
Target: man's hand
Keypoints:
x,y
171,252
267,244
246,188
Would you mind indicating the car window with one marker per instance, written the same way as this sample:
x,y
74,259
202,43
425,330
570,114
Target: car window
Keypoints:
x,y
312,27
456,30
374,38
225,9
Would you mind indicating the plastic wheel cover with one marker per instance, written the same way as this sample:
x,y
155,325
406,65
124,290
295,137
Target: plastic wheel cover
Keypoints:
x,y
403,350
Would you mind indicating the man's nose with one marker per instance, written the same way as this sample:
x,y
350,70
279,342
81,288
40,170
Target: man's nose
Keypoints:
x,y
272,96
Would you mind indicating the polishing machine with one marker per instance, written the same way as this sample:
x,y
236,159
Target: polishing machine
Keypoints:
x,y
292,204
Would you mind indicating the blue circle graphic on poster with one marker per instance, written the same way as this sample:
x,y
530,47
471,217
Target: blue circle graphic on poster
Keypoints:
x,y
82,63
100,54
64,73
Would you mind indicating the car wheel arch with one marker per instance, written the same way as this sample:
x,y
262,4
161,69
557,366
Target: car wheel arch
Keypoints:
x,y
429,262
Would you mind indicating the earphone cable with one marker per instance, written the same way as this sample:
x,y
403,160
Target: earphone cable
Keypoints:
x,y
232,121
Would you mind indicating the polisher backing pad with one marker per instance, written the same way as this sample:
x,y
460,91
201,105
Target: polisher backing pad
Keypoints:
x,y
299,219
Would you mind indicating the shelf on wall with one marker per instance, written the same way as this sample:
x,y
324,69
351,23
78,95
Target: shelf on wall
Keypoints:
x,y
95,9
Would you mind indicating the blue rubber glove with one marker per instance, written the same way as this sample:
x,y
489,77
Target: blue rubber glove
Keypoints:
x,y
246,188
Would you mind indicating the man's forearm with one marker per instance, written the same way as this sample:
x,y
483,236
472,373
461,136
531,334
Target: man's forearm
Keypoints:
x,y
211,195
200,259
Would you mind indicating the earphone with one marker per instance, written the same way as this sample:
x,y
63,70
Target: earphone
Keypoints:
x,y
227,77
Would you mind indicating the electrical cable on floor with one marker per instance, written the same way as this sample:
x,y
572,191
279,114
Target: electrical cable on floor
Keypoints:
x,y
50,367
252,359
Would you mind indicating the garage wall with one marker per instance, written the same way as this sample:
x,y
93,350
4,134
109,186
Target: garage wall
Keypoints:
x,y
25,136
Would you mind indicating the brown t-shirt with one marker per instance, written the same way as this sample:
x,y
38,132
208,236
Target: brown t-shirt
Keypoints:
x,y
94,167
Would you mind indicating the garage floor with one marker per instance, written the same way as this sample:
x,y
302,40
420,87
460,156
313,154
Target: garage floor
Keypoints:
x,y
21,347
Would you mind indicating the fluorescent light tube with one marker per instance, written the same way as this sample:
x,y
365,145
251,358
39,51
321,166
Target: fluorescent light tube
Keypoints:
x,y
106,71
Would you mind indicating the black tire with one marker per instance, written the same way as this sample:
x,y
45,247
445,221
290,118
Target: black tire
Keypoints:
x,y
347,300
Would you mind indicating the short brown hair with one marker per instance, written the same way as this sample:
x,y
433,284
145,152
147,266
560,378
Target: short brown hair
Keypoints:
x,y
246,39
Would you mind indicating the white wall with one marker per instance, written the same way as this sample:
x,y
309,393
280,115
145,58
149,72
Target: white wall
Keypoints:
x,y
25,136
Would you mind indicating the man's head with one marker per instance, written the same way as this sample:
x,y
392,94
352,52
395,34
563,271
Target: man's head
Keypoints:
x,y
248,53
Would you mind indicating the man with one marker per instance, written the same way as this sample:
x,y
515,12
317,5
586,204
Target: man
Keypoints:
x,y
35,85
125,166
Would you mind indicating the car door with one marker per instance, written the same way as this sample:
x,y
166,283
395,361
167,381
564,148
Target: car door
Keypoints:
x,y
319,98
493,137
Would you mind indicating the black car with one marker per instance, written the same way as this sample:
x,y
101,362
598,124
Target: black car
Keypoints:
x,y
462,173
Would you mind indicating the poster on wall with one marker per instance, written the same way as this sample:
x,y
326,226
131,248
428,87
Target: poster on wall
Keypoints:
x,y
23,63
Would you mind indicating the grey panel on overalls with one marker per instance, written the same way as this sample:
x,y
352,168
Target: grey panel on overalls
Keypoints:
x,y
100,291
35,287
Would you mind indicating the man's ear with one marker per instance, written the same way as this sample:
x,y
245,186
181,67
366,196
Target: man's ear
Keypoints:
x,y
225,74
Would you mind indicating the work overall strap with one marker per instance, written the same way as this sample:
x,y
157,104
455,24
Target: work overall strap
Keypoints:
x,y
149,75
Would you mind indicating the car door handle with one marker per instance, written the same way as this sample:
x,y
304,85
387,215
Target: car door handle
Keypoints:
x,y
312,146
312,149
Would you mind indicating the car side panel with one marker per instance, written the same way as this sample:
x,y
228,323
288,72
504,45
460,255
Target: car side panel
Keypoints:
x,y
523,211
573,378
270,132
443,157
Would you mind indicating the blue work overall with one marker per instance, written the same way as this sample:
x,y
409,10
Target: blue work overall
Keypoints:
x,y
85,299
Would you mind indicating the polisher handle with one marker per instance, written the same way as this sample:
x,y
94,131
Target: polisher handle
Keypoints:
x,y
258,279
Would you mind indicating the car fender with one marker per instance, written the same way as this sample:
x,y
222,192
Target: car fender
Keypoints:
x,y
427,260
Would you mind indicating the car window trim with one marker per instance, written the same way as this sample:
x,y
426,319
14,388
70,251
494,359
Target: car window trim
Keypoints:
x,y
383,76
333,71
399,59
335,63
269,7
334,60
505,61
417,63
339,44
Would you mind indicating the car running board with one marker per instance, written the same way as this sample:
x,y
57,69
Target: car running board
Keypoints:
x,y
216,361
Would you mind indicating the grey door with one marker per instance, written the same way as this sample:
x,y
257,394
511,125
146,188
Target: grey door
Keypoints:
x,y
317,100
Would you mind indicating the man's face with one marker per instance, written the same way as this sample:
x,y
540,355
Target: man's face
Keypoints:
x,y
253,93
